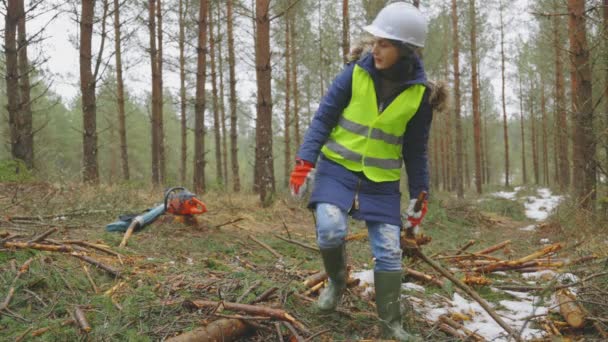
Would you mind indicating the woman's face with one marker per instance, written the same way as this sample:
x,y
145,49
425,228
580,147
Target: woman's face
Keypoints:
x,y
385,53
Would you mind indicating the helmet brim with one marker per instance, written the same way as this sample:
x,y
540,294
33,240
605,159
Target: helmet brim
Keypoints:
x,y
377,32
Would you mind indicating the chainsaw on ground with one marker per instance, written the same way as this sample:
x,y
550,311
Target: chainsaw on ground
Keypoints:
x,y
178,201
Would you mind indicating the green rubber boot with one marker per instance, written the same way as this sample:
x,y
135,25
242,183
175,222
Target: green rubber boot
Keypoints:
x,y
334,260
388,291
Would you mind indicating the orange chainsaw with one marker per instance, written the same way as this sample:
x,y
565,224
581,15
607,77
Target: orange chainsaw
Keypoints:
x,y
183,202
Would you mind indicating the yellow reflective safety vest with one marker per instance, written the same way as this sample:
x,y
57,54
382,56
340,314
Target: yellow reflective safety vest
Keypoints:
x,y
368,141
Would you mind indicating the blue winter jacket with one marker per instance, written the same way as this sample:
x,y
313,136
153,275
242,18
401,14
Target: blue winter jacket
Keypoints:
x,y
376,201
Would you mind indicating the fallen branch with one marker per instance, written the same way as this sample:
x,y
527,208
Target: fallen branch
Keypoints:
x,y
423,277
301,244
547,250
39,246
230,222
44,235
220,330
11,292
254,310
99,264
88,244
570,309
81,319
494,248
465,247
251,288
471,293
315,279
265,295
447,320
129,232
86,271
268,248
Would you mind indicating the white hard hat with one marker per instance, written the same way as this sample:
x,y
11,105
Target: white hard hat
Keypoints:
x,y
400,21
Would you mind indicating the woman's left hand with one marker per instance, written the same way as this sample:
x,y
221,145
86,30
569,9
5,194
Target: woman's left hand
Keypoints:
x,y
414,218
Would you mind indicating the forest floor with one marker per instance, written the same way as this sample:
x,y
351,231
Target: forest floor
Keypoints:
x,y
238,252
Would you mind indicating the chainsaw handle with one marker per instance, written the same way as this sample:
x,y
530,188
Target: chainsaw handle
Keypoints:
x,y
168,193
200,206
420,200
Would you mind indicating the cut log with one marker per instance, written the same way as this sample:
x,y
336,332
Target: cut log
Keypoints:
x,y
81,319
547,250
570,309
424,277
220,330
315,279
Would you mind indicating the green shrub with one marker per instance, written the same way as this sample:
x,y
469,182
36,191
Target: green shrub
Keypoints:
x,y
14,171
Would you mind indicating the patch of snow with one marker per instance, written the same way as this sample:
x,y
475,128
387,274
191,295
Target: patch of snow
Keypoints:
x,y
504,194
413,287
540,208
567,278
529,228
545,241
500,273
365,277
539,274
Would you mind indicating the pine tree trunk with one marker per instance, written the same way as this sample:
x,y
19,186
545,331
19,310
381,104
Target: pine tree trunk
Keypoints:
x,y
220,56
523,135
533,134
457,119
183,10
13,97
435,144
264,158
199,107
120,94
345,31
605,29
234,150
26,134
155,93
162,163
294,82
442,147
545,138
288,161
505,127
87,87
475,95
216,115
584,139
562,125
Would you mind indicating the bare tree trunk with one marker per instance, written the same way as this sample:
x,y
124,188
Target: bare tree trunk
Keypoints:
x,y
159,59
457,119
584,139
13,97
199,107
264,157
321,53
435,144
605,29
234,150
288,162
155,93
562,125
220,56
523,136
533,133
87,87
345,31
504,101
545,142
26,134
216,115
183,10
475,91
120,94
294,82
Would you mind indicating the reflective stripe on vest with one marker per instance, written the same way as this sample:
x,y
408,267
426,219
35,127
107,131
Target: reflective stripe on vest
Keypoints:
x,y
368,141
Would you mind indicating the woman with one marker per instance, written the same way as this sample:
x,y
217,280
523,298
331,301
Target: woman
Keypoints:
x,y
375,115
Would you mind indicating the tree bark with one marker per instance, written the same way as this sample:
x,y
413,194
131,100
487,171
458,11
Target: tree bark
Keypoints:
x,y
120,94
183,10
87,87
523,136
533,132
216,115
457,119
199,107
155,134
504,101
220,56
162,162
294,82
562,124
26,133
13,97
234,150
264,157
475,95
345,31
584,139
545,137
288,162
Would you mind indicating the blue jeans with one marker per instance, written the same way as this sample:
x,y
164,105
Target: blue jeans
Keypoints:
x,y
384,238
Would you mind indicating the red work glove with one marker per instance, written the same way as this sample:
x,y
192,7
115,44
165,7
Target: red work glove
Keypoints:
x,y
299,177
413,218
